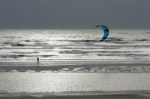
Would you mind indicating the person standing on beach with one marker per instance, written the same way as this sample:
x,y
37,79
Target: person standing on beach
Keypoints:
x,y
38,60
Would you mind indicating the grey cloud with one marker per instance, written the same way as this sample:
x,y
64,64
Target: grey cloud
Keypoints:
x,y
74,13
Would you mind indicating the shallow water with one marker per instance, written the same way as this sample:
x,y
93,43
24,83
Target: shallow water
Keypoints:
x,y
72,48
26,45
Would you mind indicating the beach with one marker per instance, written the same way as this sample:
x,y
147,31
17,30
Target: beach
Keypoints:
x,y
20,83
59,64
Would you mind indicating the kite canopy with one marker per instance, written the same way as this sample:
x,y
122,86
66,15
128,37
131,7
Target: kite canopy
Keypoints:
x,y
106,31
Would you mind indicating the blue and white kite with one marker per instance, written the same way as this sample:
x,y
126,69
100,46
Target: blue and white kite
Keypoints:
x,y
106,32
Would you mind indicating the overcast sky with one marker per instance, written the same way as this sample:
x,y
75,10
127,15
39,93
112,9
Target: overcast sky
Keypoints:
x,y
74,13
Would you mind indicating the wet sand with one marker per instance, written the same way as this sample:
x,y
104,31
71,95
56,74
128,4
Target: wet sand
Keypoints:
x,y
35,84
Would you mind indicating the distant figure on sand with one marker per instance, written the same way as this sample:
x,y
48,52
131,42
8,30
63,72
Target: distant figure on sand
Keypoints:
x,y
38,60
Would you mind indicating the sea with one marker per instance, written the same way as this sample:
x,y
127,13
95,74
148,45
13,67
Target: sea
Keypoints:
x,y
51,61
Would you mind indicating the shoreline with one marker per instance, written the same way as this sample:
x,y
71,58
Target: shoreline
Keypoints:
x,y
82,68
134,94
80,97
